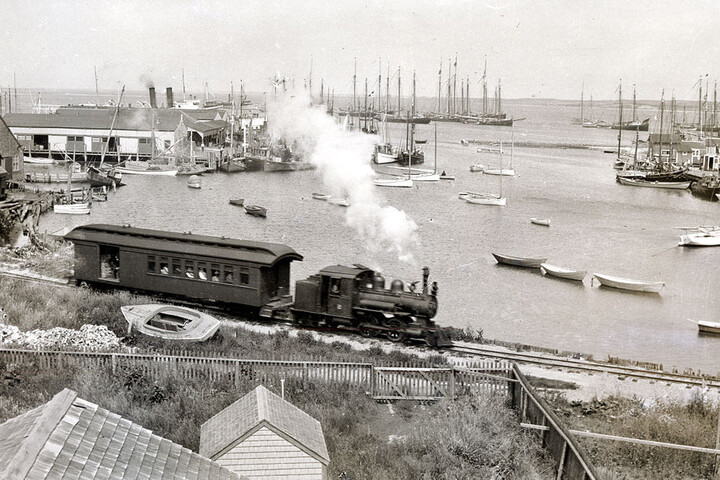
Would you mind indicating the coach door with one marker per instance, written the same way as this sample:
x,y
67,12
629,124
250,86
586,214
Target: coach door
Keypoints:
x,y
339,297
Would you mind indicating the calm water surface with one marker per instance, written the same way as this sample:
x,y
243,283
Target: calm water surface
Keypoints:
x,y
597,225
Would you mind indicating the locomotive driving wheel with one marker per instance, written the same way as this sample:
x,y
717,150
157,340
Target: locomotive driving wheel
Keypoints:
x,y
394,332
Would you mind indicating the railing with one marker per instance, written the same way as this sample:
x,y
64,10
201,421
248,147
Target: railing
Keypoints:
x,y
570,461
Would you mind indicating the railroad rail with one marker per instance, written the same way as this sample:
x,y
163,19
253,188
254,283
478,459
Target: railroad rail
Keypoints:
x,y
585,365
459,347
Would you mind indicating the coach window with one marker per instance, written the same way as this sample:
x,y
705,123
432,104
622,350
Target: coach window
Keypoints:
x,y
189,269
176,268
244,276
202,271
215,273
228,274
151,264
164,266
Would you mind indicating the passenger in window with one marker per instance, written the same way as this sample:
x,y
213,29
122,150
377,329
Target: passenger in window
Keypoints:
x,y
228,277
202,273
164,268
215,275
189,271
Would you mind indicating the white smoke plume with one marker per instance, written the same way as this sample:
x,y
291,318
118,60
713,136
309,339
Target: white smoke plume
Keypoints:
x,y
343,159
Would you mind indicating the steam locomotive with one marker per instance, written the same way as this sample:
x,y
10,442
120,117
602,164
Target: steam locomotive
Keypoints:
x,y
255,277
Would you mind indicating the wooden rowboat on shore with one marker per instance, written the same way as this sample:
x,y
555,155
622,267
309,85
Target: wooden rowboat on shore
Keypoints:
x,y
519,261
540,221
629,284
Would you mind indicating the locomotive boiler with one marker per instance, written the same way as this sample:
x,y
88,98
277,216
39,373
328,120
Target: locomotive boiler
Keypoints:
x,y
356,296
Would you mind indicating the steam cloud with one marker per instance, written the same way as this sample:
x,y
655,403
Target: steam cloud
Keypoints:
x,y
343,158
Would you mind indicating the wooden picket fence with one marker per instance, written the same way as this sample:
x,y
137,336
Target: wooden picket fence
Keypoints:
x,y
418,383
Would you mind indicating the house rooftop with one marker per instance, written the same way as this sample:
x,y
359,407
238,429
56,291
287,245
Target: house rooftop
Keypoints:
x,y
73,439
261,408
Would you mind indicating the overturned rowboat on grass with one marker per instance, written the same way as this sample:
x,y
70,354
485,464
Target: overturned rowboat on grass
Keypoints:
x,y
170,322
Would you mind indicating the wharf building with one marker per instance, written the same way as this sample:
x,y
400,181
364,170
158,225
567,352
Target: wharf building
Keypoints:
x,y
117,134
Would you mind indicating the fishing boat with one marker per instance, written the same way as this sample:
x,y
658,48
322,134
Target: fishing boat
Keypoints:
x,y
478,167
540,221
256,211
385,152
708,327
321,196
629,284
38,160
519,261
702,238
507,172
706,187
238,202
193,181
642,182
562,272
411,155
103,178
231,165
170,322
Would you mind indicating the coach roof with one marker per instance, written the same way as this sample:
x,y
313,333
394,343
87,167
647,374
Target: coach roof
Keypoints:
x,y
262,253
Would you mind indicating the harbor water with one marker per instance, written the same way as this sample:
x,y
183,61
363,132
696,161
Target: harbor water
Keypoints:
x,y
596,225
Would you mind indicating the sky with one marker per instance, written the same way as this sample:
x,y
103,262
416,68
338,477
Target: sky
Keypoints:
x,y
538,49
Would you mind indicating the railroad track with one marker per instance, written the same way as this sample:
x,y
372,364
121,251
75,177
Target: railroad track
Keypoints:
x,y
471,349
586,366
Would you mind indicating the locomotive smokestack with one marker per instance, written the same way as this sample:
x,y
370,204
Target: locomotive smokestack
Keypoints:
x,y
426,274
169,94
153,103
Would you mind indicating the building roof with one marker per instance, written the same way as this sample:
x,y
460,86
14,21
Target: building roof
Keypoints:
x,y
261,408
262,253
9,146
666,137
71,438
166,120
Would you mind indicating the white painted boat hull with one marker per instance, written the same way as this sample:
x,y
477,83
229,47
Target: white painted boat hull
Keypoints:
x,y
519,261
562,272
132,171
425,177
711,239
635,182
708,327
193,325
486,200
72,209
384,158
506,172
541,221
402,183
629,284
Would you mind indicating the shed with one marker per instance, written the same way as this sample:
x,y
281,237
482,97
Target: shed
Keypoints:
x,y
263,436
71,438
11,154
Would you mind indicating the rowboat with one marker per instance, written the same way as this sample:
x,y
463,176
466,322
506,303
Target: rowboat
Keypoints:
x,y
629,284
321,196
343,202
170,322
562,272
72,209
444,176
540,221
238,202
256,210
708,327
478,167
709,238
193,181
519,261
148,170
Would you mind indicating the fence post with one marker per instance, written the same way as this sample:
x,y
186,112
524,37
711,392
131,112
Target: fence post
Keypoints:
x,y
452,381
113,360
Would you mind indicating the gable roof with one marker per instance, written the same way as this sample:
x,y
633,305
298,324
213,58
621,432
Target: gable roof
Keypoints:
x,y
259,408
134,119
71,438
9,146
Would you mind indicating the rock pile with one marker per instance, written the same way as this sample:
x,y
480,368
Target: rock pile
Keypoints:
x,y
88,337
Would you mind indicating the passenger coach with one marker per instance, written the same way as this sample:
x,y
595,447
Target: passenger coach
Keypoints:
x,y
221,269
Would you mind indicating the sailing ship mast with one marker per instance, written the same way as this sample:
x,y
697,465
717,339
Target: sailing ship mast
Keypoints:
x,y
112,125
620,120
